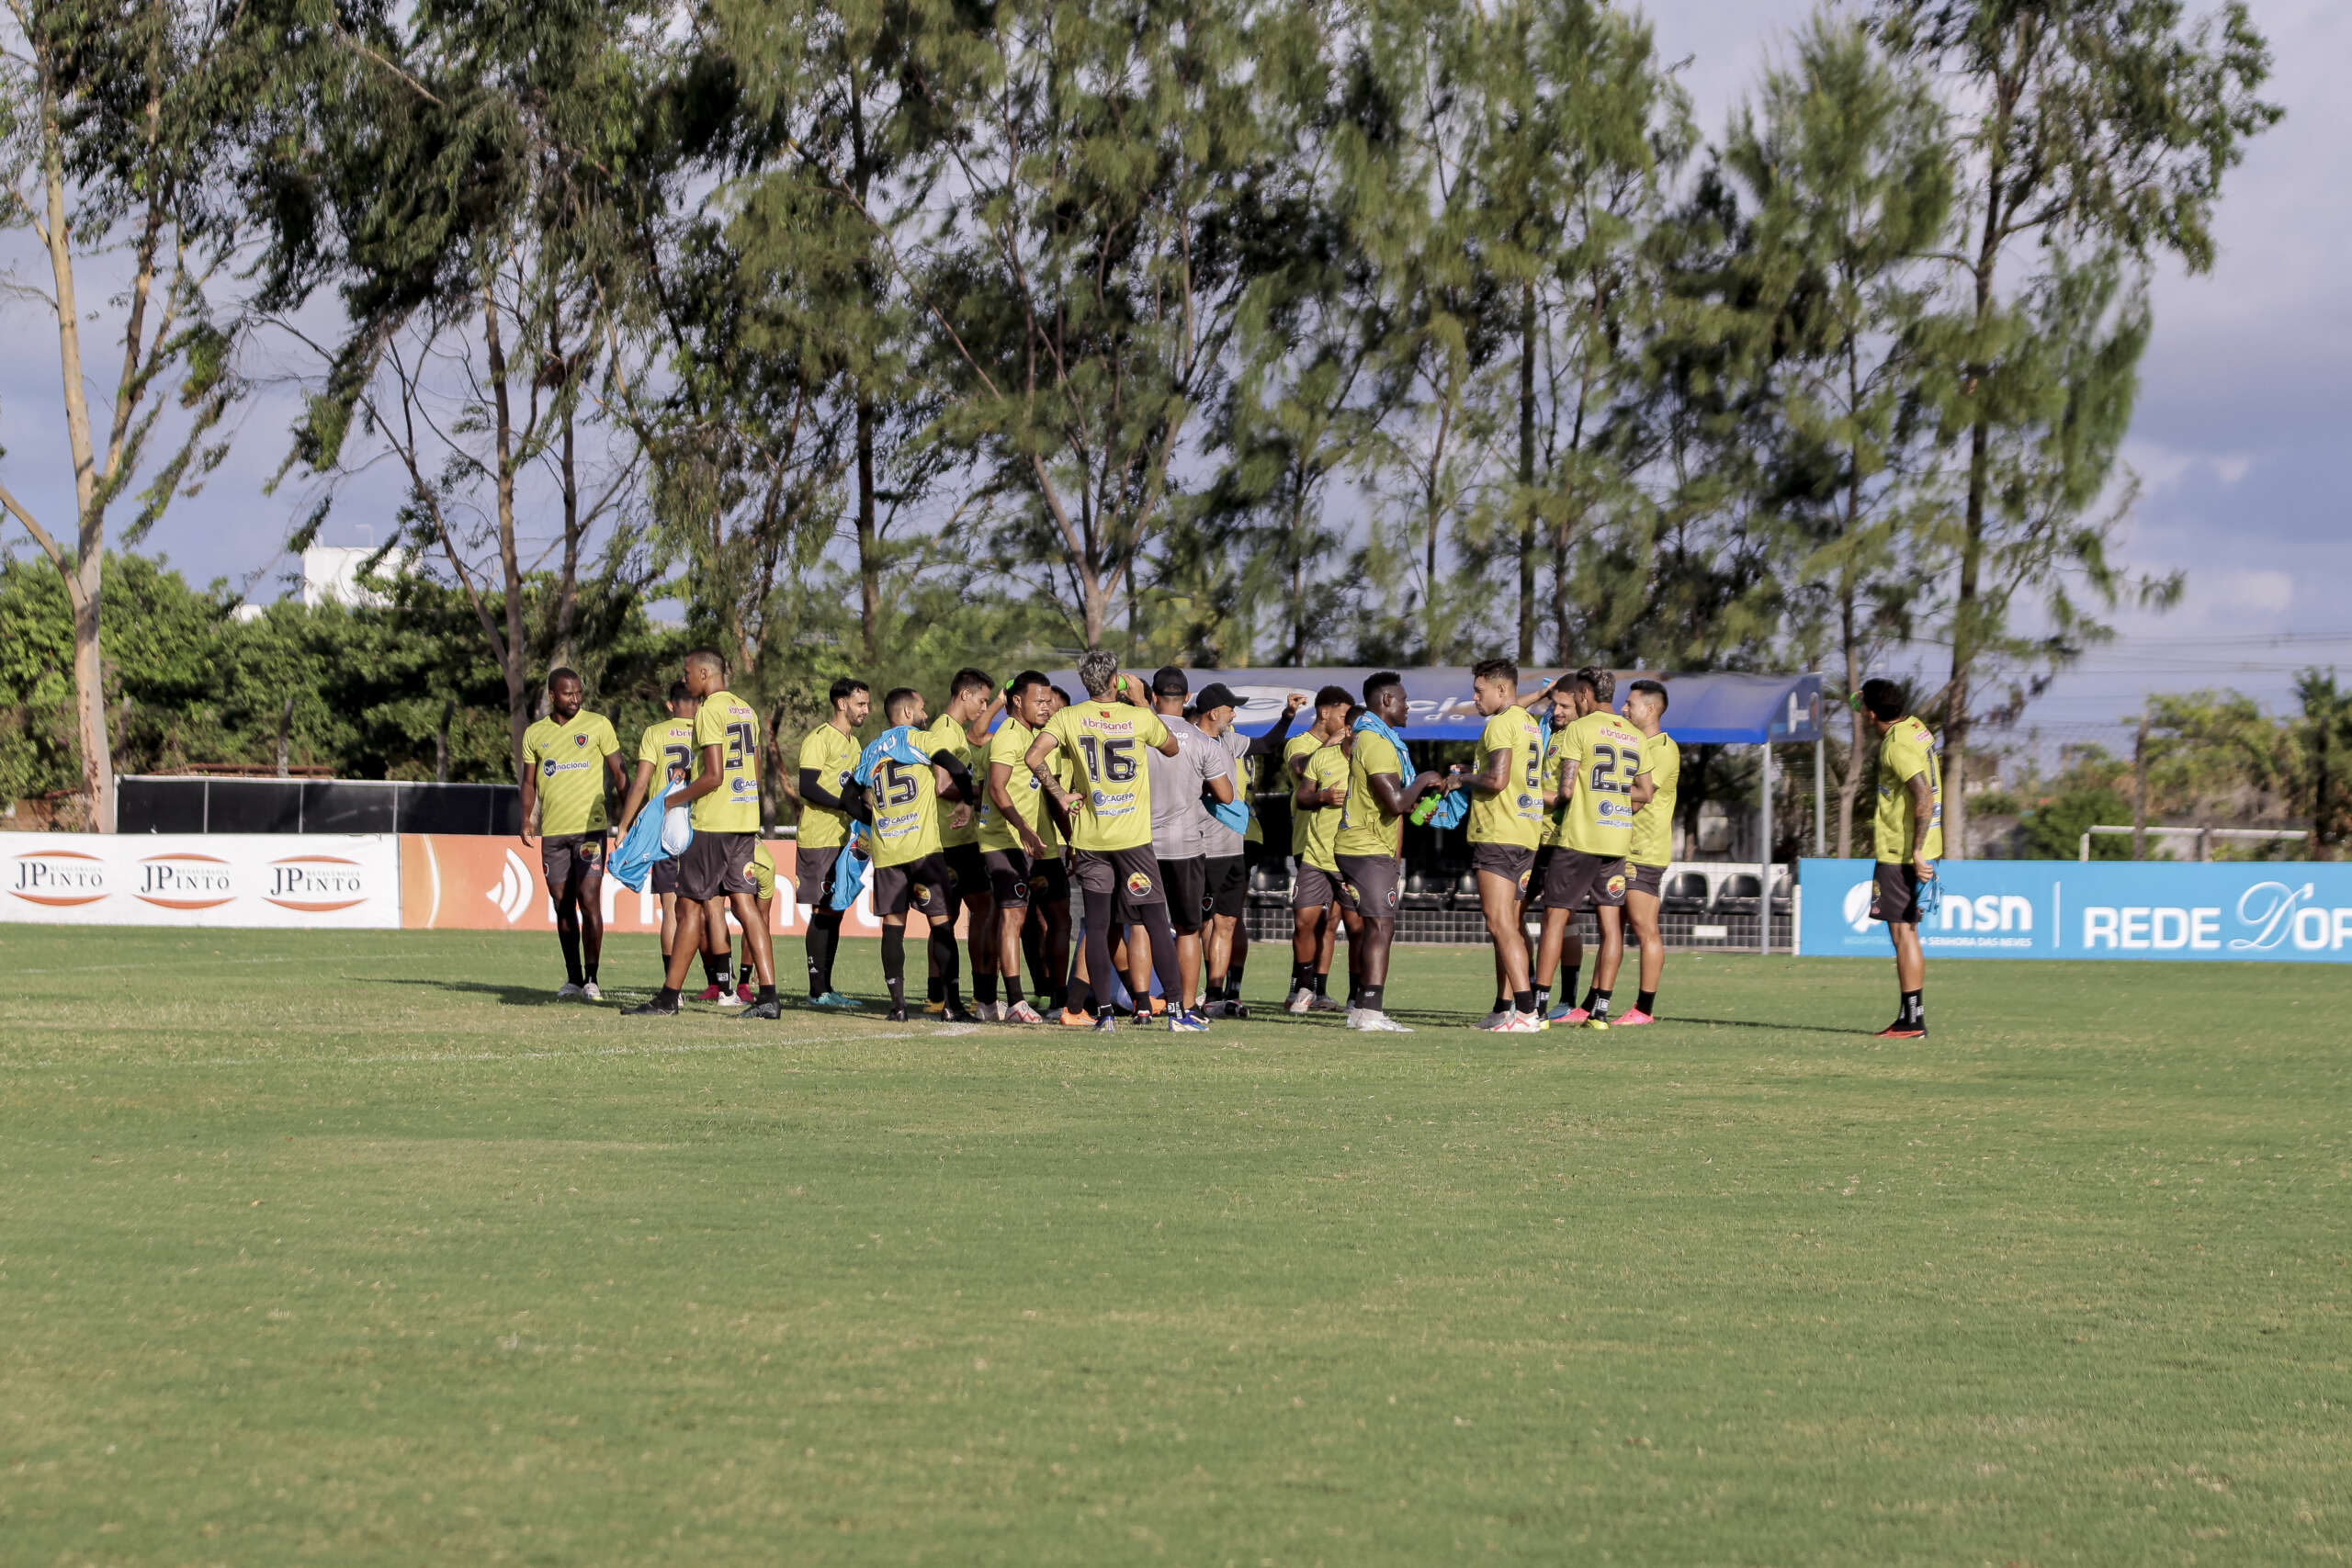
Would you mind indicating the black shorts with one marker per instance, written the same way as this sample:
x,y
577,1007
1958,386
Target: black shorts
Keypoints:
x,y
1514,863
1228,886
812,874
1188,883
1314,888
715,863
925,886
664,876
1048,880
1644,878
1895,899
1573,880
1130,876
968,873
569,859
1368,884
1008,877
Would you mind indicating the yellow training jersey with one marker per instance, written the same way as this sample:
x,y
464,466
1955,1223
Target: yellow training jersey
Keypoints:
x,y
1298,746
728,722
1514,815
1106,742
1602,754
1654,823
569,761
1010,745
832,755
1327,768
946,735
1908,750
668,743
907,807
1364,827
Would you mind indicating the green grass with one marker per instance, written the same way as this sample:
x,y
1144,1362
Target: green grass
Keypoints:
x,y
351,1249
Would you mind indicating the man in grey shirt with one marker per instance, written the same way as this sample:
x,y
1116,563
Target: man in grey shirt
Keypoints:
x,y
1225,851
1177,816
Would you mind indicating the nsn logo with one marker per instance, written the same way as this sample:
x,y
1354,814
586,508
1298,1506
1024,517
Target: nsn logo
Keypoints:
x,y
1985,912
59,879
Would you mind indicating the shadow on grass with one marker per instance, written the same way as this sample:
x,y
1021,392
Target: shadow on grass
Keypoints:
x,y
507,996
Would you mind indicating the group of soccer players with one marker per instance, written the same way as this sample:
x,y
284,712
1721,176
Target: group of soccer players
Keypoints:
x,y
1124,815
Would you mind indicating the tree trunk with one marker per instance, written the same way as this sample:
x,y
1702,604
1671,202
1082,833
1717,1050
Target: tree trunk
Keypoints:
x,y
441,741
869,545
1527,474
2140,791
1849,780
567,588
518,655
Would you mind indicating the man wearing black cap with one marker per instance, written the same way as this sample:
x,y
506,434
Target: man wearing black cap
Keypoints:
x,y
1177,819
1227,890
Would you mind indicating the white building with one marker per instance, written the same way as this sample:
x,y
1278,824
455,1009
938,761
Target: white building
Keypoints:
x,y
331,576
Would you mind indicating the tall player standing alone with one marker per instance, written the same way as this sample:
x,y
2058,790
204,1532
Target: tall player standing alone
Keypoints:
x,y
567,758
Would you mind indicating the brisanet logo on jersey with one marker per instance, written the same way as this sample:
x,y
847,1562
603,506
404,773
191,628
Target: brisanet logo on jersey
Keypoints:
x,y
2267,918
58,879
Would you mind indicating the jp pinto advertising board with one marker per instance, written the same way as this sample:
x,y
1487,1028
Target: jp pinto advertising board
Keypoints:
x,y
193,879
2269,911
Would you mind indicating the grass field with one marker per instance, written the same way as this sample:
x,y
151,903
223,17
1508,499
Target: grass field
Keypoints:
x,y
356,1249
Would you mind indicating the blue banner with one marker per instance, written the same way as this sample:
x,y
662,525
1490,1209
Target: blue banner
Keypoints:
x,y
2290,911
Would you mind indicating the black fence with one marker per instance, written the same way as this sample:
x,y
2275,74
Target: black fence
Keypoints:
x,y
144,804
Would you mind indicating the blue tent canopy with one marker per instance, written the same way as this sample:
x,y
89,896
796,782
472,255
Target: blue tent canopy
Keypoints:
x,y
1702,710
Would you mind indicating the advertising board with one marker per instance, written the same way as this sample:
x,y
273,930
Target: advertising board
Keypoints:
x,y
305,880
2286,911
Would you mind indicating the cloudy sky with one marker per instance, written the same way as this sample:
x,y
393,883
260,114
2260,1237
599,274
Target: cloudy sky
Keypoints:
x,y
2238,440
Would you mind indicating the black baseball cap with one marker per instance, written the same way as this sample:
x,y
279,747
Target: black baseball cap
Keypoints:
x,y
1170,681
1215,694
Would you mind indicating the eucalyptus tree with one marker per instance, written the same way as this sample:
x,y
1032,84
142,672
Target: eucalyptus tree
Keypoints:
x,y
1845,165
470,180
125,139
1116,176
2096,137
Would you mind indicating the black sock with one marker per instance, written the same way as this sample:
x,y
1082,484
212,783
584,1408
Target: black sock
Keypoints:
x,y
665,998
1081,998
938,989
1502,1003
1012,990
767,994
1302,976
1645,1000
1590,994
1599,1004
894,964
984,989
1322,984
1914,1009
1524,1001
1233,976
1368,997
1542,998
569,942
590,971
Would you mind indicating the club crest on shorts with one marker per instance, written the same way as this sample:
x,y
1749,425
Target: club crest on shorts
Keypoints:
x,y
1392,898
922,894
1021,893
1350,889
1524,878
1138,884
1617,885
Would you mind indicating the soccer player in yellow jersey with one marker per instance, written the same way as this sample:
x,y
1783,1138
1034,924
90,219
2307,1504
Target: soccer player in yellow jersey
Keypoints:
x,y
962,727
1020,845
1108,805
1319,922
724,801
1655,792
1369,848
666,750
1316,803
1589,789
1909,836
567,759
1505,824
828,753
